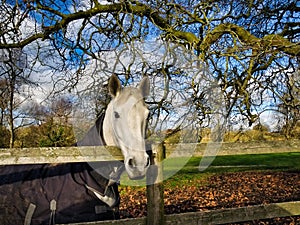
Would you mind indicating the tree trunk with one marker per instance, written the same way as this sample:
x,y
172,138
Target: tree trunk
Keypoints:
x,y
11,110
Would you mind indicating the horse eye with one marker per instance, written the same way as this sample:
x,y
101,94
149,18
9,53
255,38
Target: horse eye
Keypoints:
x,y
117,115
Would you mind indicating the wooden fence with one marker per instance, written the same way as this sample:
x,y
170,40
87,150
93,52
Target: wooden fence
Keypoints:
x,y
99,153
155,212
222,216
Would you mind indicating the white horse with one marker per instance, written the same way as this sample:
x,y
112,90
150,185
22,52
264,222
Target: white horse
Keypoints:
x,y
124,125
76,192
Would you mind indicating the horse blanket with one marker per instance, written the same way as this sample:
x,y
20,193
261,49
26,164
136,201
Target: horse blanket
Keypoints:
x,y
60,193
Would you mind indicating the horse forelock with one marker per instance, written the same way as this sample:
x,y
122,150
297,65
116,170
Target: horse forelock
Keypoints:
x,y
127,93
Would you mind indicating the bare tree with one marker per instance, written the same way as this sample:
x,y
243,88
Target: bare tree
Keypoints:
x,y
3,99
242,43
13,79
289,104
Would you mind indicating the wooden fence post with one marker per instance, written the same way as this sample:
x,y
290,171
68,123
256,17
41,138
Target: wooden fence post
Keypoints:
x,y
155,188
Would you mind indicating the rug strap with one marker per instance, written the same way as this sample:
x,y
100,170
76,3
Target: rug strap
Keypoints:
x,y
29,213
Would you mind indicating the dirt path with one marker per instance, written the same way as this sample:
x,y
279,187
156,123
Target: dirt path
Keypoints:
x,y
221,191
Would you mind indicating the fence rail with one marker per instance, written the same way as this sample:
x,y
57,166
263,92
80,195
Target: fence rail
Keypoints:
x,y
221,216
106,153
227,148
59,155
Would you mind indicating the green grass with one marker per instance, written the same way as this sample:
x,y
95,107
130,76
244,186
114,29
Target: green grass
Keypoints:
x,y
189,174
234,163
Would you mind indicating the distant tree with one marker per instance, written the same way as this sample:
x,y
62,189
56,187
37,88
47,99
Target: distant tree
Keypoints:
x,y
55,134
56,130
261,128
289,106
61,109
13,78
48,126
27,137
4,137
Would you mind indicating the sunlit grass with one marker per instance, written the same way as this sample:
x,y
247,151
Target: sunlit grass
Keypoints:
x,y
189,174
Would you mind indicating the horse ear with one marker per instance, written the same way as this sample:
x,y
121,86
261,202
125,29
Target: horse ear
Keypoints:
x,y
144,86
114,85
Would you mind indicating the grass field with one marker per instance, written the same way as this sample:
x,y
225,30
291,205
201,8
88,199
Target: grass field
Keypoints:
x,y
232,163
235,163
190,174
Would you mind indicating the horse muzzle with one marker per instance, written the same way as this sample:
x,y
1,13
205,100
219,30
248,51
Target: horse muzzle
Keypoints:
x,y
135,168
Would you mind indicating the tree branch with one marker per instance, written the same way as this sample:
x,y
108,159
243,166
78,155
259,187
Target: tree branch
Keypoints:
x,y
269,42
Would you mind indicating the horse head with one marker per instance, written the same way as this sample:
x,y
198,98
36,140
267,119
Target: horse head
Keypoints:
x,y
124,124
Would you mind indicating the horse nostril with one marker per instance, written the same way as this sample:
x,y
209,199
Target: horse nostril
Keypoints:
x,y
131,162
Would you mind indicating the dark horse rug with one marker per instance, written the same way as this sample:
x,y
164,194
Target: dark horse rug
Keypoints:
x,y
60,193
